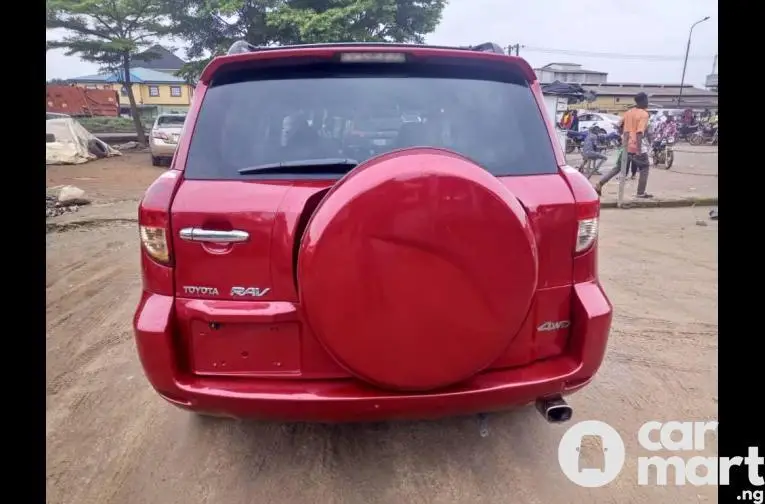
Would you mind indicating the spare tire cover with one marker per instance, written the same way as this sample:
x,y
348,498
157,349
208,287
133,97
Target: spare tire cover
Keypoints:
x,y
417,269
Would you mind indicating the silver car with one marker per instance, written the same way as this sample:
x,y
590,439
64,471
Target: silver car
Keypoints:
x,y
163,139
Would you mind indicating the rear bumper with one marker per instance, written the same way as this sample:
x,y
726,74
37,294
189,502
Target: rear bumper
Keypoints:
x,y
344,400
159,148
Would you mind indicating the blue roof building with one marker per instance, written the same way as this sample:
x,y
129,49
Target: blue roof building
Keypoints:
x,y
155,92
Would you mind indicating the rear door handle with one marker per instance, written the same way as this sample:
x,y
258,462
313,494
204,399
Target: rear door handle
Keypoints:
x,y
213,236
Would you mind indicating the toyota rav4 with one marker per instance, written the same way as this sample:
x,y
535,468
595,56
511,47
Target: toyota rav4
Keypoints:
x,y
448,266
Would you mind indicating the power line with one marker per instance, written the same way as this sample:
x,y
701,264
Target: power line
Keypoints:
x,y
621,56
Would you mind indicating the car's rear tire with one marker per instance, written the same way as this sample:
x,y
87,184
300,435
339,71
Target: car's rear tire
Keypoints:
x,y
155,161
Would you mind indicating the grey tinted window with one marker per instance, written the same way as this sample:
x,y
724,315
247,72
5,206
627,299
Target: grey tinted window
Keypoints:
x,y
352,113
170,120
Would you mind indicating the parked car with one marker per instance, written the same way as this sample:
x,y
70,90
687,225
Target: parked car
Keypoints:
x,y
607,122
163,139
452,272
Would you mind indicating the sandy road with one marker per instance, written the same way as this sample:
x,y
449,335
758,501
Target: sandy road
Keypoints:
x,y
110,439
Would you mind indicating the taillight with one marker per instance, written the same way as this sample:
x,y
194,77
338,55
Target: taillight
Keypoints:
x,y
587,204
160,135
587,225
372,57
154,230
154,241
586,234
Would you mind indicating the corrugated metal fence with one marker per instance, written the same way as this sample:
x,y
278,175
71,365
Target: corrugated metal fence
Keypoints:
x,y
78,101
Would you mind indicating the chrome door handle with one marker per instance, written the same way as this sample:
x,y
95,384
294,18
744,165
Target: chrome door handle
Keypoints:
x,y
213,236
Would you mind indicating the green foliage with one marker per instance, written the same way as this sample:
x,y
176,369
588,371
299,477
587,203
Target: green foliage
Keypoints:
x,y
211,26
110,33
109,124
107,32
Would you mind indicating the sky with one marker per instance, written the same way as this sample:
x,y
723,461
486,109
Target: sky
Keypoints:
x,y
634,41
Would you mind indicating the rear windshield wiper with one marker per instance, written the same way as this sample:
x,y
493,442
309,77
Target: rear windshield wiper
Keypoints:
x,y
321,165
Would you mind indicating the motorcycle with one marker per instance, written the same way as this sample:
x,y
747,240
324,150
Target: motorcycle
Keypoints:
x,y
574,140
663,152
685,131
704,135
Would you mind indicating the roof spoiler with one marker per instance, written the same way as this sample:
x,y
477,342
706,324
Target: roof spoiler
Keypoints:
x,y
242,46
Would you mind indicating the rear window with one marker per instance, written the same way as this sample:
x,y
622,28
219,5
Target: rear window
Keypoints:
x,y
171,120
486,112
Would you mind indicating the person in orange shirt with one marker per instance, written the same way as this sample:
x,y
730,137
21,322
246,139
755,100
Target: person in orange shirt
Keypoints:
x,y
638,144
635,136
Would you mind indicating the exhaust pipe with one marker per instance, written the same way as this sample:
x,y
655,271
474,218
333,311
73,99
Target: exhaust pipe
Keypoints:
x,y
554,409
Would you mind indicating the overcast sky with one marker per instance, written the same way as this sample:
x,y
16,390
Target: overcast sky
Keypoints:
x,y
594,33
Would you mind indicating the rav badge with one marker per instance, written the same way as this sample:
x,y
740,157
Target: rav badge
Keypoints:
x,y
195,289
249,291
554,326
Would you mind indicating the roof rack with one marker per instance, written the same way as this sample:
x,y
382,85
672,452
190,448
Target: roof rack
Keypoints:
x,y
241,46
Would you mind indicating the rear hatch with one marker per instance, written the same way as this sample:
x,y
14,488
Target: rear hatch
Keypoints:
x,y
274,229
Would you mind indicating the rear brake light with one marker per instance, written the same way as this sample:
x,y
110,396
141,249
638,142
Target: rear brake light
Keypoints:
x,y
587,234
159,134
587,214
154,241
154,230
371,57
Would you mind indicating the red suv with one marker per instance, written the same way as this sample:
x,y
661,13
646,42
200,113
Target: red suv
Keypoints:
x,y
292,273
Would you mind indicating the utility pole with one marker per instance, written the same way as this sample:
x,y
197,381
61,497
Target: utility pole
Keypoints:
x,y
685,62
513,48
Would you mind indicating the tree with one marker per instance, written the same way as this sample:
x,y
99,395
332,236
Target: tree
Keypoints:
x,y
211,26
110,33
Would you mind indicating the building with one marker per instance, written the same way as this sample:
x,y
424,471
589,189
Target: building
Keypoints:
x,y
155,92
711,81
158,58
81,102
569,73
618,96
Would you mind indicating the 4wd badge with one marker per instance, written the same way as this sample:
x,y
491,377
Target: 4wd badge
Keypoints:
x,y
249,291
554,326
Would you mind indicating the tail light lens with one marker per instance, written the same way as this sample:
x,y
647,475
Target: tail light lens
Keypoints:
x,y
587,222
586,235
154,241
370,57
160,135
155,232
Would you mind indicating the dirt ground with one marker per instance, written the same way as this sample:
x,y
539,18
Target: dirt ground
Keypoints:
x,y
108,180
111,439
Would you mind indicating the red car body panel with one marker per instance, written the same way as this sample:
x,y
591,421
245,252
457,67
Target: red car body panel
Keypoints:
x,y
262,358
329,400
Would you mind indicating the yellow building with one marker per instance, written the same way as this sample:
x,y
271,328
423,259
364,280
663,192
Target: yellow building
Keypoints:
x,y
155,92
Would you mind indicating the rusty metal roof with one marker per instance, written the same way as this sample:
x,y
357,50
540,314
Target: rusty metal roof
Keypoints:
x,y
78,101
